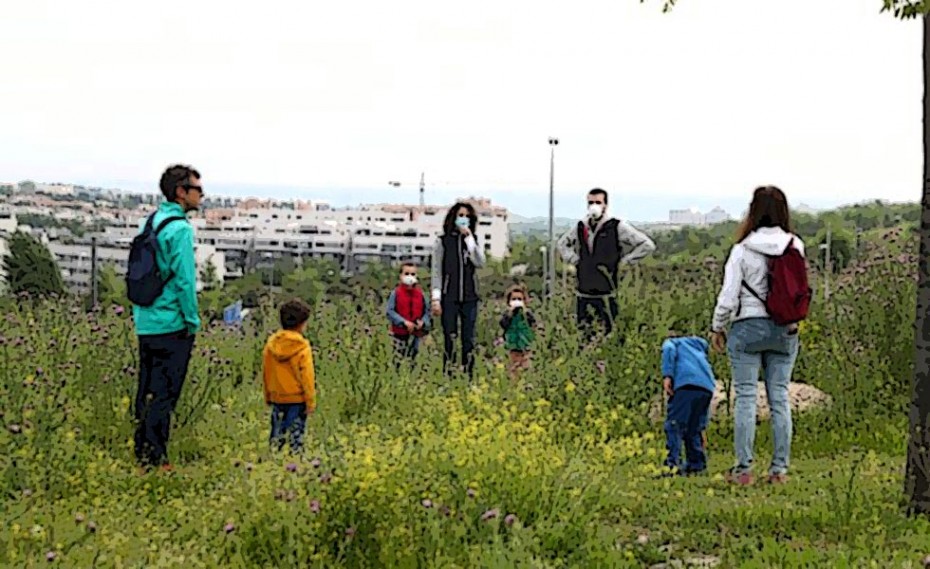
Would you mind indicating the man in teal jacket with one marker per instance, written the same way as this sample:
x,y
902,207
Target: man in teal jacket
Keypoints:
x,y
167,328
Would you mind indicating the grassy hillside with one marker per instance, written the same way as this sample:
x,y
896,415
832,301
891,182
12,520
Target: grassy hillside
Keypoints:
x,y
556,470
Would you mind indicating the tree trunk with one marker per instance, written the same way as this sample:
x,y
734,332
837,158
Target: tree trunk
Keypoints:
x,y
917,476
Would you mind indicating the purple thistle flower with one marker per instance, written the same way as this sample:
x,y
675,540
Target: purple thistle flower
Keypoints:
x,y
427,503
118,310
91,527
490,515
78,518
471,493
601,366
510,519
315,506
292,467
315,463
229,528
350,532
50,556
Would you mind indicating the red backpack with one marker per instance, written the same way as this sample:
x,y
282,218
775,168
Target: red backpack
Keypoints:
x,y
790,294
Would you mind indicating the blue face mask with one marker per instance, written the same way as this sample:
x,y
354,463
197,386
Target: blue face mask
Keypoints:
x,y
462,221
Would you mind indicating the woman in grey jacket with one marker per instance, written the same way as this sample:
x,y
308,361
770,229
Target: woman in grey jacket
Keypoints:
x,y
456,256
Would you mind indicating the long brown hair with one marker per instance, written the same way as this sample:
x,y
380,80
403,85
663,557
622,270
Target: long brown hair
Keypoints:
x,y
769,208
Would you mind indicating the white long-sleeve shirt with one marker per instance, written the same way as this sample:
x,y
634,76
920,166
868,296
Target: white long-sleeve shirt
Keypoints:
x,y
747,262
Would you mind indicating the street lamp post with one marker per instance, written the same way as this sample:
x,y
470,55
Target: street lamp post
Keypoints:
x,y
550,272
545,261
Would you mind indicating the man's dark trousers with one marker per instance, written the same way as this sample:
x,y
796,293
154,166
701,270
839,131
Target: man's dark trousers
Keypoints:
x,y
163,361
604,309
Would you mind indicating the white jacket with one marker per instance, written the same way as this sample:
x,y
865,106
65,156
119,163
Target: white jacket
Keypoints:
x,y
747,262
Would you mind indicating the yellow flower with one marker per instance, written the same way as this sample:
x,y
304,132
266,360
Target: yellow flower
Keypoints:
x,y
569,386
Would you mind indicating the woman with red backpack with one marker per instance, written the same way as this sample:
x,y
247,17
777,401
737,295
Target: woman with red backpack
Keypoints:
x,y
764,295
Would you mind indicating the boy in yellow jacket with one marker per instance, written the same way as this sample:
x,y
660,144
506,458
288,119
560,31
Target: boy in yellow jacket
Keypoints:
x,y
289,379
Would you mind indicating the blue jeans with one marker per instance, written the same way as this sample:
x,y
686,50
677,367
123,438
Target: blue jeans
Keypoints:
x,y
758,345
687,418
288,420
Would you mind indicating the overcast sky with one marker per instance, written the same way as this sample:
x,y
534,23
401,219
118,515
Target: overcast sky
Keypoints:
x,y
334,99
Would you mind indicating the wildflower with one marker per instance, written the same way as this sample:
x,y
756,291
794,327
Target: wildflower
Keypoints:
x,y
326,478
15,429
350,532
643,539
315,506
601,366
249,466
315,463
27,492
510,519
292,467
78,518
471,493
118,310
427,503
229,528
91,527
490,515
50,556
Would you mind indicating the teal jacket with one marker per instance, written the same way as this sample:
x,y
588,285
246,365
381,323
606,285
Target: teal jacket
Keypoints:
x,y
176,309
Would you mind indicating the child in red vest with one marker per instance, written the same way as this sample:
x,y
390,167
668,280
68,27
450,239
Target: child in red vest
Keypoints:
x,y
408,314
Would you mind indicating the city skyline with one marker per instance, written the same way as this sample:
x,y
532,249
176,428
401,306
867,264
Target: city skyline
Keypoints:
x,y
642,207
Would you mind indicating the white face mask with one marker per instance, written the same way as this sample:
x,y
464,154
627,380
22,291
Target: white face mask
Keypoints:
x,y
516,303
595,210
409,280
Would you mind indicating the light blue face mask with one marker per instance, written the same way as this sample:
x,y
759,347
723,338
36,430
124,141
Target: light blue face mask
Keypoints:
x,y
462,221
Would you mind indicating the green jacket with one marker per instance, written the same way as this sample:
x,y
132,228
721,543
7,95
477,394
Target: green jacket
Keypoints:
x,y
176,309
518,329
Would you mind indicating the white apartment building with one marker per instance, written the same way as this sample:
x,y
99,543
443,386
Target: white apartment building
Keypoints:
x,y
8,226
75,263
685,217
258,232
256,235
694,217
716,215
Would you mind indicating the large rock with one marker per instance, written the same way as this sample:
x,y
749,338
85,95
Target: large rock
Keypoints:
x,y
801,396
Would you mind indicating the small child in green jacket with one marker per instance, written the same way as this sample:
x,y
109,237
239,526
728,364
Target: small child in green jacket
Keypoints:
x,y
518,323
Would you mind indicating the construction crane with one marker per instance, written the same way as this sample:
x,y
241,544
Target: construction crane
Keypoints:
x,y
422,189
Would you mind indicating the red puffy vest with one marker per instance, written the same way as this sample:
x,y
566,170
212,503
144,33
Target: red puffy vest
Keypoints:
x,y
410,305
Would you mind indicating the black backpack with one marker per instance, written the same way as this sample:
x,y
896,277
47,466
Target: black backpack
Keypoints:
x,y
144,283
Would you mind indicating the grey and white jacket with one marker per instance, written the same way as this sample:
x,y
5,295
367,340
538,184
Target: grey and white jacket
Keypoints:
x,y
748,262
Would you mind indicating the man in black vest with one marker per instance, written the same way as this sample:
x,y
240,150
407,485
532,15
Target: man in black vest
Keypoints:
x,y
597,247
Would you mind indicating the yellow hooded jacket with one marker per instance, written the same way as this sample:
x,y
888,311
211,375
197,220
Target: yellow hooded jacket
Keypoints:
x,y
288,370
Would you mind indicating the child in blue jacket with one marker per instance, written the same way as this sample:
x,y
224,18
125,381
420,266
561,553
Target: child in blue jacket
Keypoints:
x,y
688,380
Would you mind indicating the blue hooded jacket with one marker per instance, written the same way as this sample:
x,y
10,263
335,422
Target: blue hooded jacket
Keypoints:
x,y
685,360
